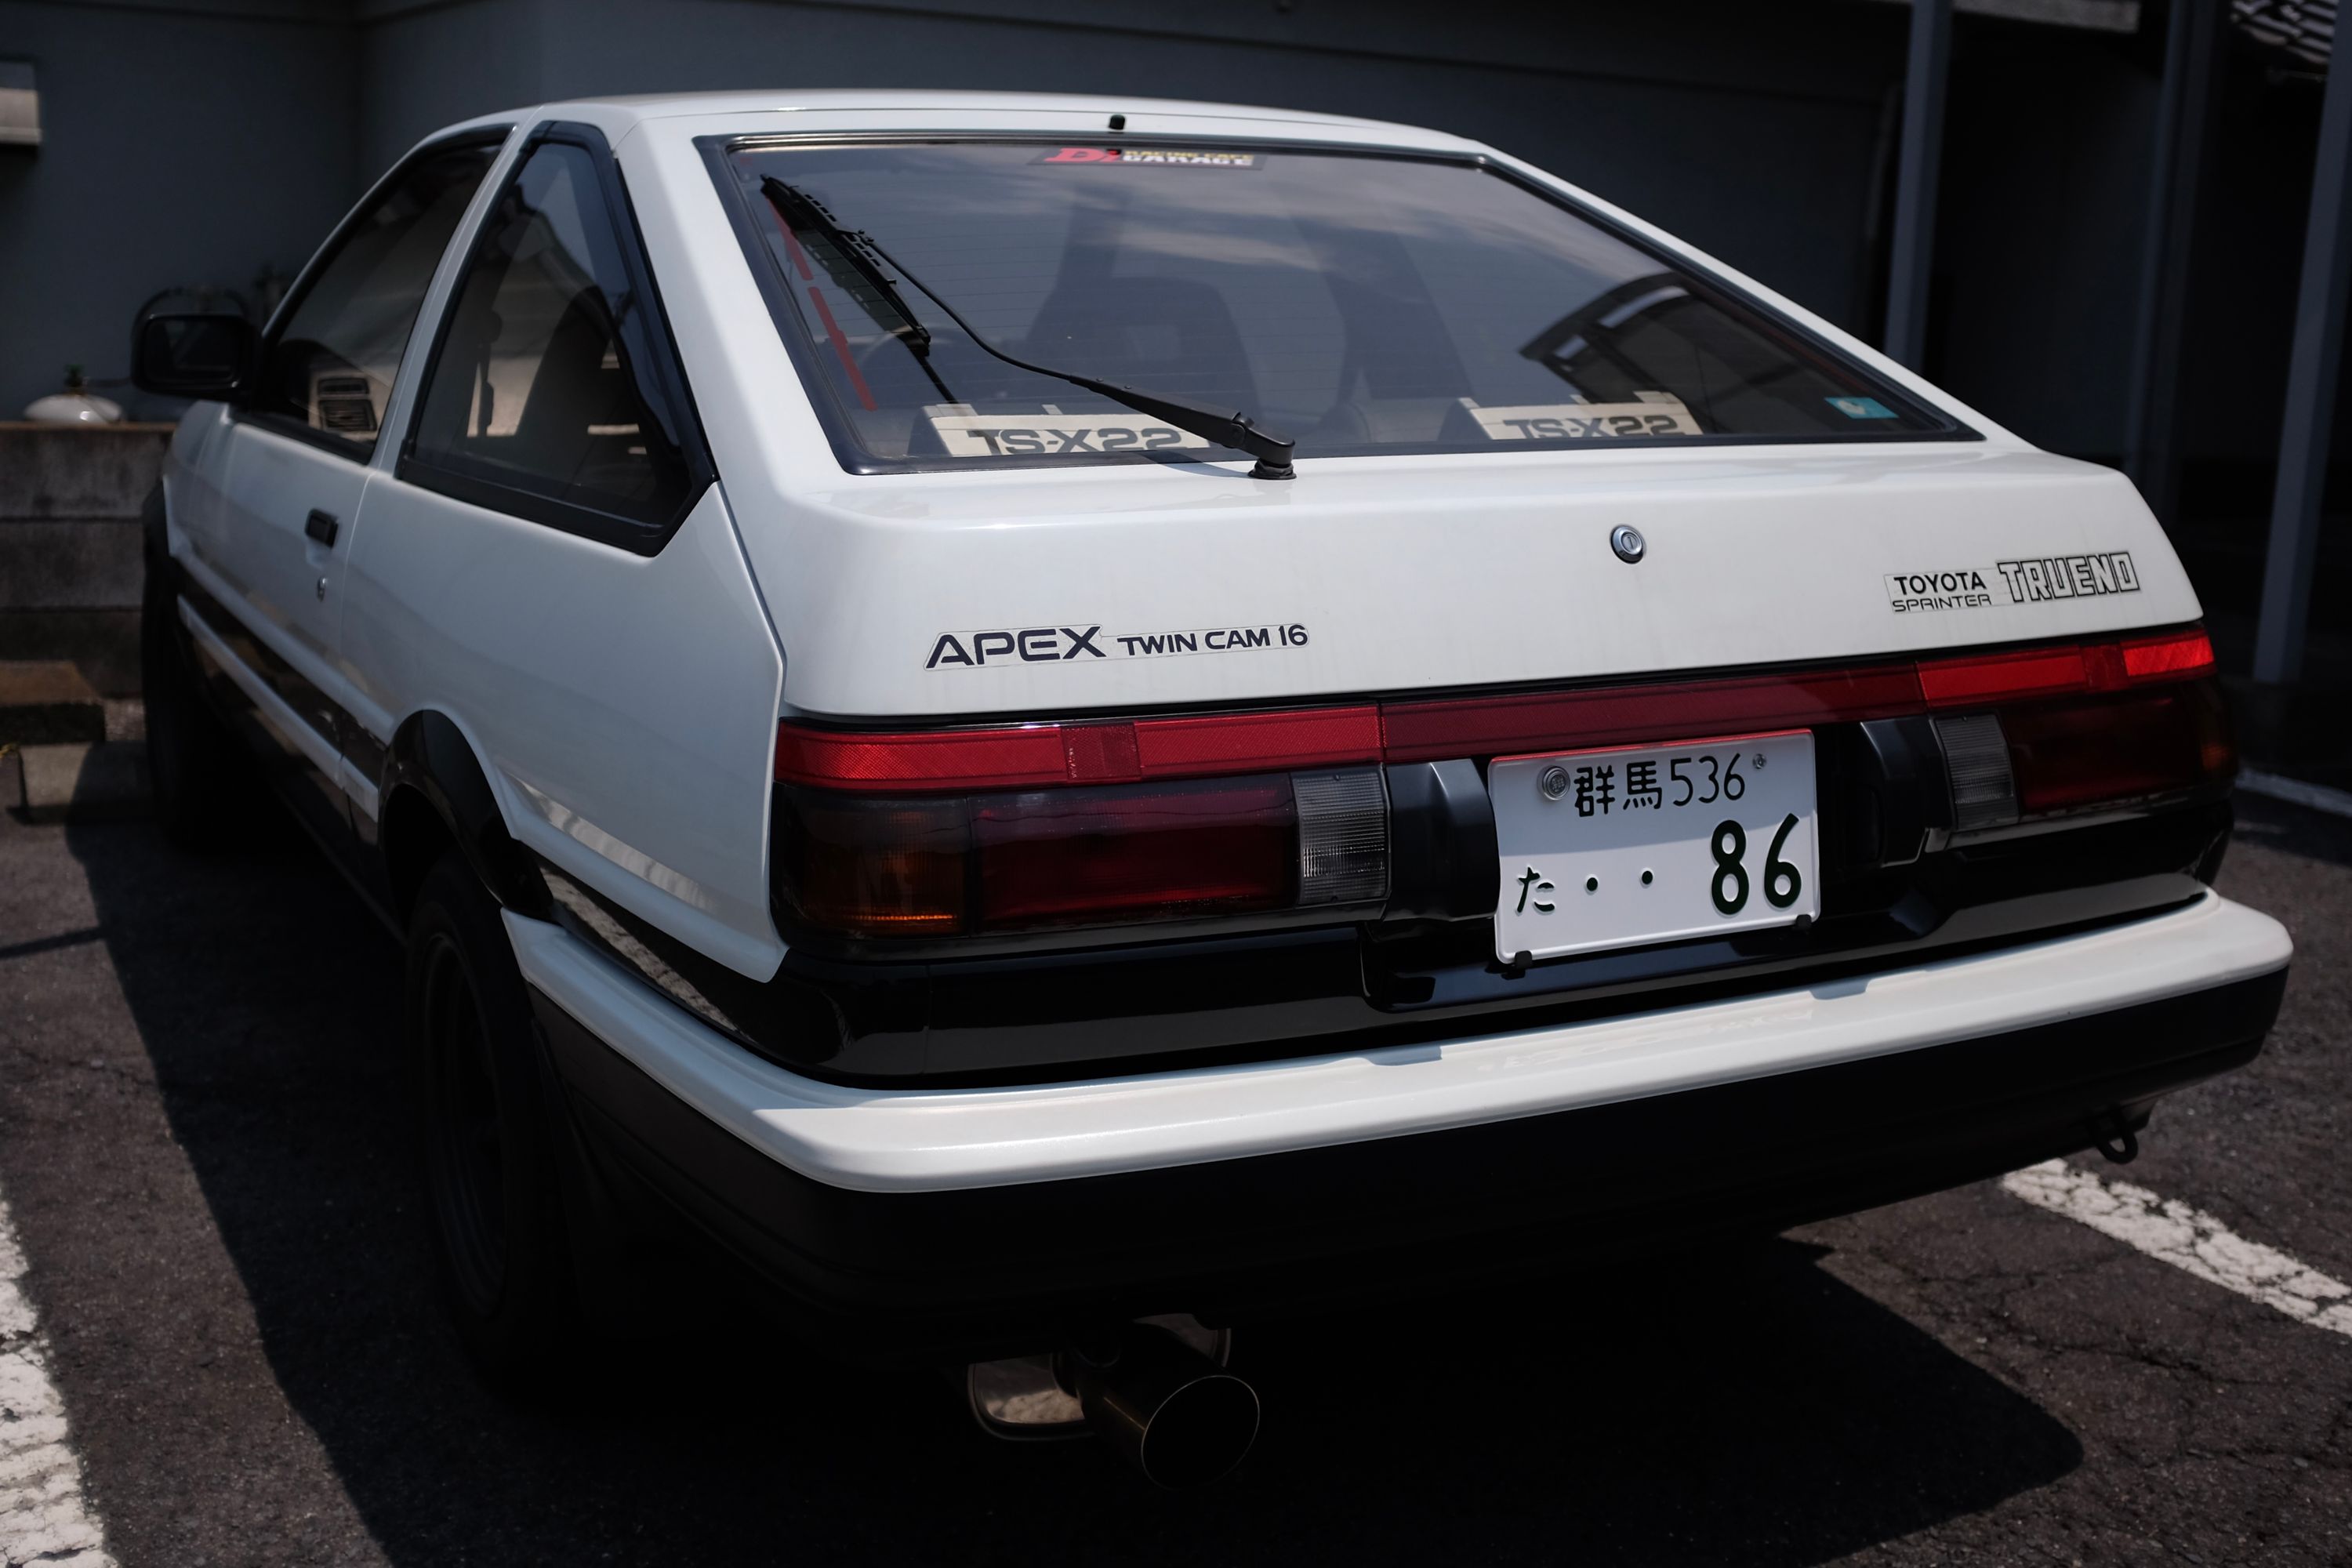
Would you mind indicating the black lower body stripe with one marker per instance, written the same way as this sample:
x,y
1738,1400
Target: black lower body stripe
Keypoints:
x,y
326,718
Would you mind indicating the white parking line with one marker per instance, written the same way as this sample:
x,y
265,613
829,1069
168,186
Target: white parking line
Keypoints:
x,y
43,1519
2189,1239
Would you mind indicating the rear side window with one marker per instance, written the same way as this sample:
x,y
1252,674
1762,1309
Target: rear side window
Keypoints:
x,y
331,367
545,385
1359,304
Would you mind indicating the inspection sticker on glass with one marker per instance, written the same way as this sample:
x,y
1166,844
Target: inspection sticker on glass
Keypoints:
x,y
1653,414
1644,844
965,434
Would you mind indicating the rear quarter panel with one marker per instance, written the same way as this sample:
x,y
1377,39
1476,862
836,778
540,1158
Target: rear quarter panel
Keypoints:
x,y
623,707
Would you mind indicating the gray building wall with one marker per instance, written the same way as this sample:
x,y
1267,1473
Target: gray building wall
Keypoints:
x,y
199,141
1751,130
423,65
2038,243
185,143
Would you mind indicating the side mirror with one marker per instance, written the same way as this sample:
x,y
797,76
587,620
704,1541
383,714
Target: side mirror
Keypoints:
x,y
195,355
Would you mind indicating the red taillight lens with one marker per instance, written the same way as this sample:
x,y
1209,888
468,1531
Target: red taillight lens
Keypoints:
x,y
2001,677
1083,856
1024,826
877,866
1979,678
2180,655
1046,755
880,867
2069,755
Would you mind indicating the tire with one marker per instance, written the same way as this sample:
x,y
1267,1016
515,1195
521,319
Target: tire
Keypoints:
x,y
199,781
487,1137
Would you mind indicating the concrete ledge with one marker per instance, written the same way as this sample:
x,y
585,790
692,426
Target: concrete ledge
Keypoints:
x,y
49,703
79,470
70,496
78,564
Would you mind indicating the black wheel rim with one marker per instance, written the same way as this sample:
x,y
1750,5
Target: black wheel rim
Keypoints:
x,y
463,1140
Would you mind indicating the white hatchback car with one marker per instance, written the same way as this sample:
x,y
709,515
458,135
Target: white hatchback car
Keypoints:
x,y
1042,712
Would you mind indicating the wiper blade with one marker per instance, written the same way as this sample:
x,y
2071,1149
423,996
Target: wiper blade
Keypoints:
x,y
874,265
801,213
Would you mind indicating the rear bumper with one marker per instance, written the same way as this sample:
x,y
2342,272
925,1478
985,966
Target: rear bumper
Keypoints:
x,y
973,1217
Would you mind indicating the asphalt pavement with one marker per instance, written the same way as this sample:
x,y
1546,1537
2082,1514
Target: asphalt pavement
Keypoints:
x,y
202,1142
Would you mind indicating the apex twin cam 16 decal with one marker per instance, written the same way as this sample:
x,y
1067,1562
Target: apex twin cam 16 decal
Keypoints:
x,y
1063,644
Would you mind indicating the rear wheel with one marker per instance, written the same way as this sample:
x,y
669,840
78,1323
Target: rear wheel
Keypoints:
x,y
486,1133
196,777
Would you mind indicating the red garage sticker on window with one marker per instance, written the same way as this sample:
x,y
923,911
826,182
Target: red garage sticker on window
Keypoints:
x,y
1165,157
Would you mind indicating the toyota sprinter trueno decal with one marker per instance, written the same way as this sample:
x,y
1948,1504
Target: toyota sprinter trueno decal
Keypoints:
x,y
2029,581
1060,644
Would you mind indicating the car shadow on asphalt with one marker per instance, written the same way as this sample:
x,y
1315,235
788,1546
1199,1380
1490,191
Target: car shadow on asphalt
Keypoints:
x,y
1747,1407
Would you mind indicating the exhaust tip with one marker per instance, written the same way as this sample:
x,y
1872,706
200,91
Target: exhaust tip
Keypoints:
x,y
1199,1433
1176,1416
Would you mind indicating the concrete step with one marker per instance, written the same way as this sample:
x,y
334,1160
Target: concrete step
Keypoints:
x,y
48,702
79,782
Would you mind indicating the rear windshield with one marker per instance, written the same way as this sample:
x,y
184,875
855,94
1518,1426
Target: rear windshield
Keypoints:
x,y
1357,305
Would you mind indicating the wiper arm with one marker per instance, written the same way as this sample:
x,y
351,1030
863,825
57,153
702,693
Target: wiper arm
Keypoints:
x,y
801,213
874,263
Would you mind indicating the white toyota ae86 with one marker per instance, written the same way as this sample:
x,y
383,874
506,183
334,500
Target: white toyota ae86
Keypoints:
x,y
1060,722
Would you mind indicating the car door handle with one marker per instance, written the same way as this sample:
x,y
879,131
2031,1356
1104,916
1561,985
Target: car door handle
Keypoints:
x,y
322,527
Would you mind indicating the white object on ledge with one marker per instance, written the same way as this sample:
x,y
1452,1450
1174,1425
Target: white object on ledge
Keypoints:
x,y
74,409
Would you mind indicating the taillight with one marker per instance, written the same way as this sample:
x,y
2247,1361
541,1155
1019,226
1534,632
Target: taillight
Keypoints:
x,y
2069,668
880,867
1036,859
2139,720
1081,856
2076,754
1055,826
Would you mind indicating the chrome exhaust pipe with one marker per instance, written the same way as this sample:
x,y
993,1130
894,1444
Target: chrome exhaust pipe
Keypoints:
x,y
1172,1412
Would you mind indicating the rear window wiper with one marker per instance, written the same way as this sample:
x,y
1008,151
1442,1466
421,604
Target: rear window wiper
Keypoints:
x,y
801,214
874,264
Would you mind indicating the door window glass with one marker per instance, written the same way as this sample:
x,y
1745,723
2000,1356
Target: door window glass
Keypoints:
x,y
331,367
545,380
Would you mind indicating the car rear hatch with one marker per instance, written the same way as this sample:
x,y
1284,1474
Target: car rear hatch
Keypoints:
x,y
1026,594
1087,771
1623,634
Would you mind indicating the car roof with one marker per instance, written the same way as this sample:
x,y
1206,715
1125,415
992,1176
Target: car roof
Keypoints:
x,y
1053,111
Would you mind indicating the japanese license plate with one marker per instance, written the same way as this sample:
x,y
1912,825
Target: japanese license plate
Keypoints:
x,y
1643,844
